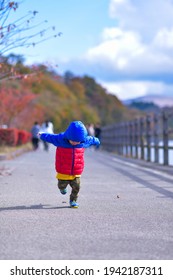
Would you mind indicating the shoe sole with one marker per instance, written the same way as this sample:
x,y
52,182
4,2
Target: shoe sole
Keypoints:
x,y
63,193
74,206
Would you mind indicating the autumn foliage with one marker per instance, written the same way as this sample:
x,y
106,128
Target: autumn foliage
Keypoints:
x,y
45,95
23,137
13,137
12,103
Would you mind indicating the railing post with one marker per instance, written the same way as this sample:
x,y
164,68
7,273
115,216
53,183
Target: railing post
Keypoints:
x,y
126,138
136,137
131,138
116,137
120,139
123,138
165,138
141,137
148,136
156,138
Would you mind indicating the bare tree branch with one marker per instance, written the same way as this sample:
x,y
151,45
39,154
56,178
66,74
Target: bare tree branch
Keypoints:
x,y
21,32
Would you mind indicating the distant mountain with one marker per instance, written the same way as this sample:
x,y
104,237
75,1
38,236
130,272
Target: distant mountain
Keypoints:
x,y
144,106
158,100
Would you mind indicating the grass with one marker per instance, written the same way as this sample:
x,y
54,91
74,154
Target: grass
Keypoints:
x,y
9,149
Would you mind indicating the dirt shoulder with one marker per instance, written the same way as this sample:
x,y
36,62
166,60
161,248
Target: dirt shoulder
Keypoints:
x,y
11,152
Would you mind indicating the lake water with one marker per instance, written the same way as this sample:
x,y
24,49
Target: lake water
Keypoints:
x,y
161,155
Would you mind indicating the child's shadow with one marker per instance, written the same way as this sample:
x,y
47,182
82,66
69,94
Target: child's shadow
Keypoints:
x,y
39,206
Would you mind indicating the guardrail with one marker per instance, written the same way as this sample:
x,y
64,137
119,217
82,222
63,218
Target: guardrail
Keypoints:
x,y
149,138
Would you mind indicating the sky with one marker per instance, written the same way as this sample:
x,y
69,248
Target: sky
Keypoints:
x,y
125,45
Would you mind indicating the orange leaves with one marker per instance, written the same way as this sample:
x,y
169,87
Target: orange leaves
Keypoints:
x,y
12,103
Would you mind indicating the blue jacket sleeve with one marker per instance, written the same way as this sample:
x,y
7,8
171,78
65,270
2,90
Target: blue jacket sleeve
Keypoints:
x,y
91,140
54,139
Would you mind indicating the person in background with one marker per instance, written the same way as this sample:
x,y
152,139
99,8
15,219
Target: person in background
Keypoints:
x,y
69,162
90,129
35,138
47,127
98,131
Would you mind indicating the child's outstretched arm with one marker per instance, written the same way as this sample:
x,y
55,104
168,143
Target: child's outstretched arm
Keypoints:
x,y
50,138
91,140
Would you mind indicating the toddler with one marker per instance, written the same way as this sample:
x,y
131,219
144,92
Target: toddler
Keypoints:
x,y
69,160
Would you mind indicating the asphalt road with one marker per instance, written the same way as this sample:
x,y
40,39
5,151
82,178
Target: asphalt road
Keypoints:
x,y
125,211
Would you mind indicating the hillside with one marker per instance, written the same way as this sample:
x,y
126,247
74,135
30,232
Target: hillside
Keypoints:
x,y
53,97
158,100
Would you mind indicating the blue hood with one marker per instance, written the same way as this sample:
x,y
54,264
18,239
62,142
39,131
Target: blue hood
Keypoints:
x,y
76,132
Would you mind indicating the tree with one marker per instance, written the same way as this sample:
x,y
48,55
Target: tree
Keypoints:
x,y
20,32
68,76
12,103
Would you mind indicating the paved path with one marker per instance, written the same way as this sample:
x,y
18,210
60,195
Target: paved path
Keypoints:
x,y
125,211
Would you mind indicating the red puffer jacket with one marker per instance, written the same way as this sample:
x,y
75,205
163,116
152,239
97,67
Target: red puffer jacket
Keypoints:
x,y
69,161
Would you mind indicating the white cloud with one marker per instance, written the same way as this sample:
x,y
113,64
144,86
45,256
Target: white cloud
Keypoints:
x,y
137,48
124,49
145,16
111,33
117,48
136,88
125,89
164,39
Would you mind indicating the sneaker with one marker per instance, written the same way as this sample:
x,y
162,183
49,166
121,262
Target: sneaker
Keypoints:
x,y
63,191
74,204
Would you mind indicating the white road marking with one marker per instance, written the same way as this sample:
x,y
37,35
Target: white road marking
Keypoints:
x,y
143,168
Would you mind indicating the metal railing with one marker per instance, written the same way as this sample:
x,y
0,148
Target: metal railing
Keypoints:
x,y
149,138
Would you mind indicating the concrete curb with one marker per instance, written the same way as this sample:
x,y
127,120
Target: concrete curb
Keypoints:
x,y
150,165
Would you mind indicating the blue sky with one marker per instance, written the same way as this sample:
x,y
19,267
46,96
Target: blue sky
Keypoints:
x,y
125,45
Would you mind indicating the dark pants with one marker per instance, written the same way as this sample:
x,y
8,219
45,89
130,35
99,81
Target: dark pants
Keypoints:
x,y
74,184
46,145
35,142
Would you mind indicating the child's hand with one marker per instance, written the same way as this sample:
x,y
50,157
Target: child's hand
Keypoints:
x,y
39,134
